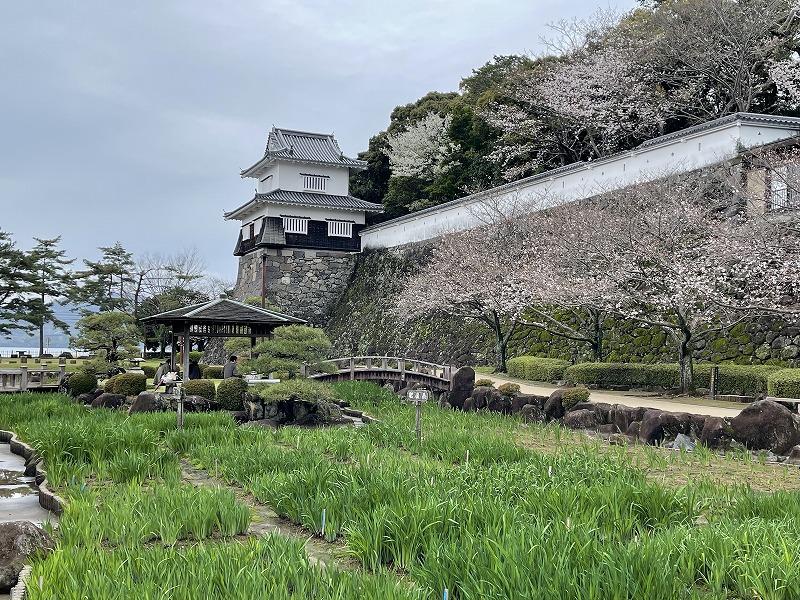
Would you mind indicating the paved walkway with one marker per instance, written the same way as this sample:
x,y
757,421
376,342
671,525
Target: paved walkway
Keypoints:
x,y
19,498
693,405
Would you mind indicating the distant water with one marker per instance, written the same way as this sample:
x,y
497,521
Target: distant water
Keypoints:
x,y
9,350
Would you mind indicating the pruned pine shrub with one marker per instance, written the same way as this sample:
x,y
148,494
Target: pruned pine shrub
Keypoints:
x,y
127,384
149,371
200,387
784,383
509,389
81,383
108,385
535,368
298,390
212,372
571,396
484,383
230,393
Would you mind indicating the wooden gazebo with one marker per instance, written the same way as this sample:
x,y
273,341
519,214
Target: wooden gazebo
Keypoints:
x,y
219,318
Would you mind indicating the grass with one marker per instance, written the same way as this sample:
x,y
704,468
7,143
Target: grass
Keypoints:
x,y
535,511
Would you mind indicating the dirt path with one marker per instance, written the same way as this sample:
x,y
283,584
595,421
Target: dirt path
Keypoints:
x,y
266,521
688,404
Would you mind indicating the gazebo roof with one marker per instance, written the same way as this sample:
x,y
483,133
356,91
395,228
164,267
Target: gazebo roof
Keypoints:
x,y
223,318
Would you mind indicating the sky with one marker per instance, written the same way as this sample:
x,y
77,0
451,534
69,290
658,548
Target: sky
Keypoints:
x,y
130,121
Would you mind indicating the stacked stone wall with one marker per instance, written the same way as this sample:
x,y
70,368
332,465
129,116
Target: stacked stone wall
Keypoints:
x,y
302,283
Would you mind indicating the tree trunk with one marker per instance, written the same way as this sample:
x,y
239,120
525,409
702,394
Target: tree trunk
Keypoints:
x,y
686,362
597,338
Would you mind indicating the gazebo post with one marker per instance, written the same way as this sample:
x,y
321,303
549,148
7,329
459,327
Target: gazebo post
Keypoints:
x,y
185,357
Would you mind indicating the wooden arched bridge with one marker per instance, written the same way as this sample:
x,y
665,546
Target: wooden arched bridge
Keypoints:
x,y
382,369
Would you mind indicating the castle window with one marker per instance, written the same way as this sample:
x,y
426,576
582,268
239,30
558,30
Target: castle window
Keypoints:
x,y
340,228
784,189
314,183
295,225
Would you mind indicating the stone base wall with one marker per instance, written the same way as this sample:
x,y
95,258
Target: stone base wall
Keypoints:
x,y
301,283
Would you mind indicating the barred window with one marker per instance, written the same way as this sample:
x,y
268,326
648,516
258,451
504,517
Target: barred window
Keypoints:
x,y
340,228
784,191
295,225
314,183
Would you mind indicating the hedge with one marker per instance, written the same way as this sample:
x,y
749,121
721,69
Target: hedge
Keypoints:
x,y
744,380
230,393
128,384
81,383
571,396
535,368
607,375
212,372
200,387
784,383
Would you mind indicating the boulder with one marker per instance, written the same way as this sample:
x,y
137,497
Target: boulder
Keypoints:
x,y
498,402
198,404
602,410
553,407
463,383
584,418
683,441
716,433
520,400
623,415
794,456
532,413
651,430
608,429
18,540
105,400
766,425
632,431
469,405
696,424
254,407
146,402
673,424
480,397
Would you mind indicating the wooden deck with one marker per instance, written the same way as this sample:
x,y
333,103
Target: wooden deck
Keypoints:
x,y
382,368
26,380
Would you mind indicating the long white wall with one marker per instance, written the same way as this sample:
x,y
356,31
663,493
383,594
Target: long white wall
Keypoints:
x,y
680,152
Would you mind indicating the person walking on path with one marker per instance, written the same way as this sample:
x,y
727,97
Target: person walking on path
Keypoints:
x,y
230,368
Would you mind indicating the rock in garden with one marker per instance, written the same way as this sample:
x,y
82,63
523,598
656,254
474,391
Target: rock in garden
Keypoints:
x,y
498,402
463,383
683,441
602,410
766,425
18,540
633,430
716,433
623,415
674,424
650,430
105,400
520,400
146,402
480,397
254,409
531,413
198,404
794,456
553,407
584,418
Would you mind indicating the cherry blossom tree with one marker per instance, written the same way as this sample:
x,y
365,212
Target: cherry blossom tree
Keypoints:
x,y
421,149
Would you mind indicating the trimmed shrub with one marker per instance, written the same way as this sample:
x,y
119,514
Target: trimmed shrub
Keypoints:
x,y
535,368
108,385
784,383
212,372
745,380
149,371
200,387
230,393
606,375
298,390
127,384
571,396
484,383
509,389
195,356
81,383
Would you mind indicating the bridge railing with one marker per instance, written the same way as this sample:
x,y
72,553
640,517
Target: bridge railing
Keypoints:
x,y
22,379
378,363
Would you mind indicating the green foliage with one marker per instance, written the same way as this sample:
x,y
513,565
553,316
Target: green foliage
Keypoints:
x,y
149,371
509,389
200,387
484,383
128,384
18,278
195,356
290,347
784,383
745,380
572,396
213,371
230,393
298,390
81,383
606,375
534,368
113,332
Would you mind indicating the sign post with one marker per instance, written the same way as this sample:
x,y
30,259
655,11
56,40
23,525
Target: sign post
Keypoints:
x,y
177,391
418,397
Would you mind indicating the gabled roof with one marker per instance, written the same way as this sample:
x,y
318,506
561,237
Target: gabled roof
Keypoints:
x,y
304,199
224,310
304,146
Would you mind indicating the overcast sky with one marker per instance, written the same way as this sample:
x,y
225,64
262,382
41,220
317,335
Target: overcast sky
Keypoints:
x,y
131,121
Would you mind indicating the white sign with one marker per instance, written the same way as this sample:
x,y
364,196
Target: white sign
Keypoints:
x,y
419,395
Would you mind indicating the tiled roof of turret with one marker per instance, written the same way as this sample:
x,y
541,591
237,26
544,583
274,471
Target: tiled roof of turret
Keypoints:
x,y
307,199
303,146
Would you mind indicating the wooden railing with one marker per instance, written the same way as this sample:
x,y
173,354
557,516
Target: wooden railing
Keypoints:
x,y
381,367
24,379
